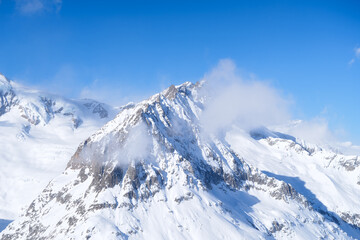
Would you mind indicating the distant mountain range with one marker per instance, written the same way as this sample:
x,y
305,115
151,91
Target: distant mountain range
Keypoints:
x,y
154,173
38,134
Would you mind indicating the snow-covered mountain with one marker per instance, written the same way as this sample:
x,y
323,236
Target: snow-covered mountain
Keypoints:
x,y
38,134
153,173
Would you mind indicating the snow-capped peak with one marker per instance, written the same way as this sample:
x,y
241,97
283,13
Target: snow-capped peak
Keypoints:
x,y
3,79
151,173
39,133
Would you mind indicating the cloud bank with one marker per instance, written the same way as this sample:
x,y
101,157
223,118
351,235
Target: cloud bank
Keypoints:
x,y
232,100
235,100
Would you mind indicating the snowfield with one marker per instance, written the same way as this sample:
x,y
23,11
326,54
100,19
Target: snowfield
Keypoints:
x,y
39,133
153,173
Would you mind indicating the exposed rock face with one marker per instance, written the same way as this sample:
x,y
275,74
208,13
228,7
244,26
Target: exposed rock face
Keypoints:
x,y
154,162
276,227
37,107
39,132
97,108
7,95
351,164
354,219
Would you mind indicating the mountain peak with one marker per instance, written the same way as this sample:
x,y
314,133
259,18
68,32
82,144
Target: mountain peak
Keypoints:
x,y
7,95
151,166
39,133
3,79
5,85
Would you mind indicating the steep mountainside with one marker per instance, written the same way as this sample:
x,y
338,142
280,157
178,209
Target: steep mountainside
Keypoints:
x,y
152,173
328,179
39,133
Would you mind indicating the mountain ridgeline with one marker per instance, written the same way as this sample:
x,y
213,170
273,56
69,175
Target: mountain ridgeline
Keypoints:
x,y
39,133
40,108
153,173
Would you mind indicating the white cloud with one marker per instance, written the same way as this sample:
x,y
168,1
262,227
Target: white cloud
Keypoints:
x,y
29,7
314,131
246,103
99,91
349,148
357,56
351,61
357,52
62,82
137,143
114,92
317,131
134,147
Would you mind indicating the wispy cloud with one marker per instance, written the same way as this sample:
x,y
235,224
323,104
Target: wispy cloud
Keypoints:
x,y
114,94
63,80
29,7
356,56
317,131
357,52
247,103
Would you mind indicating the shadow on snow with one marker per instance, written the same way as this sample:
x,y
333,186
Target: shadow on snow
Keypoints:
x,y
317,205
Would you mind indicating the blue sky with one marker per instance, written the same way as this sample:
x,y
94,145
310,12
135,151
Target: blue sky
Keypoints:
x,y
124,50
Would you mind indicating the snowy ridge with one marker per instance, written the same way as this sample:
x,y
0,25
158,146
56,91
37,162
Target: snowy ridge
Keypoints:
x,y
153,173
329,180
7,95
39,133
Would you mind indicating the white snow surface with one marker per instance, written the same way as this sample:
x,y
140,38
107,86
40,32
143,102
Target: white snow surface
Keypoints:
x,y
182,183
38,134
326,177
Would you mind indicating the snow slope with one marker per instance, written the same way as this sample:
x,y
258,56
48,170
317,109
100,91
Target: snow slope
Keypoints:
x,y
38,134
329,180
152,173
